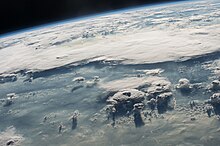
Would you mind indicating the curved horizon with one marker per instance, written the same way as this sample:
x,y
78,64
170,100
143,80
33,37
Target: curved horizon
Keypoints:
x,y
90,16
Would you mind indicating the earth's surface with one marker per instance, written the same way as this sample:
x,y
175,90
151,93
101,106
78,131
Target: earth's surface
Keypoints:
x,y
76,83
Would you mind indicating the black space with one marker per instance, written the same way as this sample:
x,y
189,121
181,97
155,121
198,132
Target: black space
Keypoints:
x,y
20,14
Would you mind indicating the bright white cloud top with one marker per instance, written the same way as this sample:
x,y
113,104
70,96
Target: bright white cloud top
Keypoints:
x,y
148,35
155,67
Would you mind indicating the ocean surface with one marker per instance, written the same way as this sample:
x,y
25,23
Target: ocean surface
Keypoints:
x,y
58,83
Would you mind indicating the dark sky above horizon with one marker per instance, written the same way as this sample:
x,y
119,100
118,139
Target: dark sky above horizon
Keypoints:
x,y
20,14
